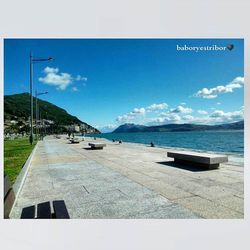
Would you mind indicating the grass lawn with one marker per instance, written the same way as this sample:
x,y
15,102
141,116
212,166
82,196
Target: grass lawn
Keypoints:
x,y
16,152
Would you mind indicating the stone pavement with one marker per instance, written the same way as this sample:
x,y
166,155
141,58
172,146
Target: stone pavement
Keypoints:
x,y
129,181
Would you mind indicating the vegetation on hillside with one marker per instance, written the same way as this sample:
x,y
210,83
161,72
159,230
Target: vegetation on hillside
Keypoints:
x,y
17,110
19,106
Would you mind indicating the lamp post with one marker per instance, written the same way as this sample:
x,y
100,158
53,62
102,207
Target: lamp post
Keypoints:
x,y
31,101
37,94
32,61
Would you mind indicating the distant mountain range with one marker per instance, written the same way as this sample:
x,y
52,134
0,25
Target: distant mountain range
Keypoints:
x,y
17,107
132,128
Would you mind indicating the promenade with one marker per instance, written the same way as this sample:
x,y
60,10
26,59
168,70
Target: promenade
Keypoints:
x,y
129,181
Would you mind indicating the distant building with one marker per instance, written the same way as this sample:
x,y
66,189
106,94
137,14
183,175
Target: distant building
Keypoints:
x,y
77,128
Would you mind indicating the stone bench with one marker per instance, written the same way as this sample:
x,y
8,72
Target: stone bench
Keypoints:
x,y
210,161
97,145
74,140
44,211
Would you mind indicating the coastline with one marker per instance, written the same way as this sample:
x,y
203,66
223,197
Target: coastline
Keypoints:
x,y
233,157
229,142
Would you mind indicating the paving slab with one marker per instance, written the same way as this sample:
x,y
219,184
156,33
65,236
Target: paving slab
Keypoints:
x,y
128,181
234,202
209,209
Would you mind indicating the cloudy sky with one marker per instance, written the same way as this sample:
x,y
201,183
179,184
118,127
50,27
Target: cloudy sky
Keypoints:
x,y
109,82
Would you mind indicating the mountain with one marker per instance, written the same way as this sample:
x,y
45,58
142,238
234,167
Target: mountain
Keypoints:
x,y
130,127
17,108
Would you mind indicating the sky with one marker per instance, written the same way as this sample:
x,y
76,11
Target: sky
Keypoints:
x,y
109,82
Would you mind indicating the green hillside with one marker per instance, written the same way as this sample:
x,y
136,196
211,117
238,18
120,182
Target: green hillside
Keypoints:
x,y
17,107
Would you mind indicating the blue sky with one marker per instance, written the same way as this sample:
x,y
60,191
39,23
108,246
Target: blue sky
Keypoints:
x,y
108,82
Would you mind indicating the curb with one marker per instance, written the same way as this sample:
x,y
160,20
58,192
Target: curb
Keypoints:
x,y
17,186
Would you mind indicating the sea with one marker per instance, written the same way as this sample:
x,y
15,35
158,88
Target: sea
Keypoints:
x,y
228,142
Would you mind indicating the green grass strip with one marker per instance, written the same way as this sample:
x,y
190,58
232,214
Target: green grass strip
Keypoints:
x,y
16,153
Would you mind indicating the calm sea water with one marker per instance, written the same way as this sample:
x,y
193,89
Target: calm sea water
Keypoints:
x,y
215,141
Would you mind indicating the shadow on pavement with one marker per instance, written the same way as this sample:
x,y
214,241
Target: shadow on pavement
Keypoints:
x,y
194,167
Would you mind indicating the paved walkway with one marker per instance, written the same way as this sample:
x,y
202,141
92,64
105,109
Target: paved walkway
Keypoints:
x,y
128,181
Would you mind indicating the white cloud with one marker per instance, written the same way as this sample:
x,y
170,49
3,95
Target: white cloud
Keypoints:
x,y
176,115
211,93
181,109
60,80
218,103
173,118
209,96
124,118
182,116
111,126
170,116
75,89
167,119
106,128
217,113
219,117
227,116
81,78
54,78
136,112
188,118
179,115
164,114
48,70
202,112
156,120
216,117
155,107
